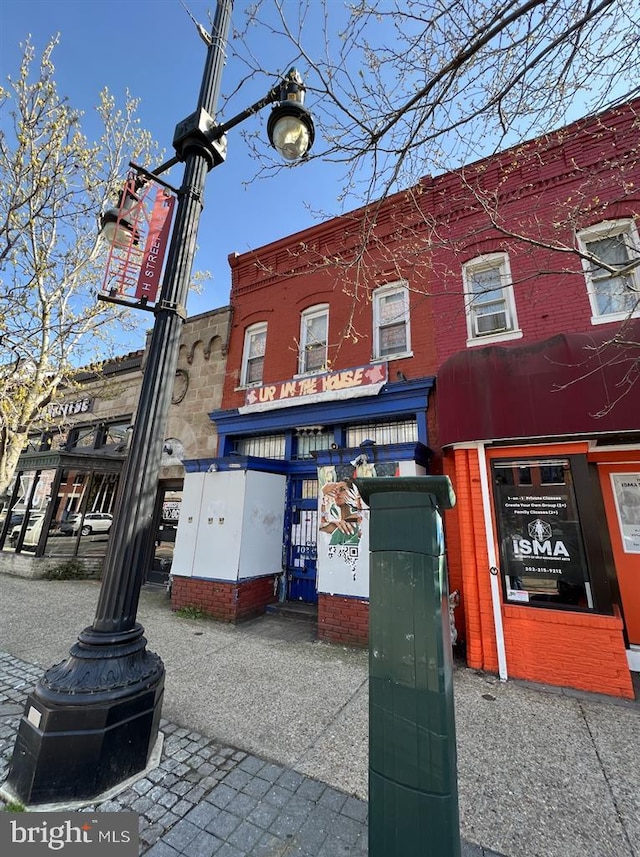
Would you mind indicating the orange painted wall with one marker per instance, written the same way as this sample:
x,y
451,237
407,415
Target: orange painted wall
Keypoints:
x,y
580,650
627,564
468,560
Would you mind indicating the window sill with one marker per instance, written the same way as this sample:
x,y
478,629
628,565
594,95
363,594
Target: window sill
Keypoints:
x,y
312,372
479,341
242,387
615,316
402,355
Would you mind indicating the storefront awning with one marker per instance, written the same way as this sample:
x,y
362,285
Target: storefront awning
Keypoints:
x,y
571,384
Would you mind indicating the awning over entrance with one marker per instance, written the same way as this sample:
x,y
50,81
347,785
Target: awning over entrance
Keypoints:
x,y
567,385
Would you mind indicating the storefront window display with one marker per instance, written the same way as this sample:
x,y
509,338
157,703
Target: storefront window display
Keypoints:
x,y
543,559
66,512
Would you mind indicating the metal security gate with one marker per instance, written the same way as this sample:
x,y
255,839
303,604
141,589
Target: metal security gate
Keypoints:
x,y
301,534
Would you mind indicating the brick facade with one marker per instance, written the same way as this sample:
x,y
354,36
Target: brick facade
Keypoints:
x,y
228,602
285,275
343,620
527,203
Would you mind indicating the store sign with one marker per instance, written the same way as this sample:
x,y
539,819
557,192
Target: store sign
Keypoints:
x,y
343,384
626,493
67,409
539,534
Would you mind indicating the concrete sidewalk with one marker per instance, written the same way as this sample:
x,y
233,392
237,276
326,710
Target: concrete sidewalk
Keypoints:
x,y
541,773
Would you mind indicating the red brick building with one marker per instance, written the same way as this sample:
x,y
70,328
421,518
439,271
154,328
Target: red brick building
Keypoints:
x,y
510,288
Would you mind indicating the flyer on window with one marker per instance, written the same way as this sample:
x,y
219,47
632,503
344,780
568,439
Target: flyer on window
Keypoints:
x,y
626,493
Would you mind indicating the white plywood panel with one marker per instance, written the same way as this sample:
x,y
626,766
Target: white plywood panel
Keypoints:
x,y
185,545
219,535
263,524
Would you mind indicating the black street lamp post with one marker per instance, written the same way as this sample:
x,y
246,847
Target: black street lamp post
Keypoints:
x,y
92,720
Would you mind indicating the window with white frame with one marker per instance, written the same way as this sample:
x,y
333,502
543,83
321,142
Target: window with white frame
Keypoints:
x,y
613,280
255,340
314,330
391,320
489,299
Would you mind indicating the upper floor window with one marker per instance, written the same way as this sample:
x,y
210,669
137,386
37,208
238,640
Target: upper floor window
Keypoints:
x,y
116,433
391,320
314,330
489,299
613,285
255,340
82,436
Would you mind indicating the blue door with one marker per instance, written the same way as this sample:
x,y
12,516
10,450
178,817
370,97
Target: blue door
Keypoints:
x,y
301,533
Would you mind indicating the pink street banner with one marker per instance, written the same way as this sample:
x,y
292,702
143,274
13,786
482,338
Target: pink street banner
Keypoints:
x,y
155,246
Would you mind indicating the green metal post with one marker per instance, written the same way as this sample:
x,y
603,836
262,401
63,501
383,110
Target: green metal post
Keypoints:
x,y
413,796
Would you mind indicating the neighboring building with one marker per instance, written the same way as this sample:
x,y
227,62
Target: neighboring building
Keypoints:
x,y
71,468
65,491
510,287
539,412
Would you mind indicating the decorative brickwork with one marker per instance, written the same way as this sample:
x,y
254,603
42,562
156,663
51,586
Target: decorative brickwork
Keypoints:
x,y
228,602
343,620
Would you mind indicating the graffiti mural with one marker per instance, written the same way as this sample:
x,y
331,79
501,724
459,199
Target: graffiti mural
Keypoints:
x,y
343,542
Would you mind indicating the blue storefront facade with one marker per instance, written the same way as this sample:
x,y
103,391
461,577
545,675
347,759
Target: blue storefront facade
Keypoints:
x,y
276,515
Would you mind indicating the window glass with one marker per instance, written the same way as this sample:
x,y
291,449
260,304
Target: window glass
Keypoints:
x,y
84,437
310,440
253,356
543,561
313,340
616,245
391,320
261,446
405,431
83,514
22,524
116,433
489,296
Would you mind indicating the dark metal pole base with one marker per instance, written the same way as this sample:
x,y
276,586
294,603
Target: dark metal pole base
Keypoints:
x,y
91,722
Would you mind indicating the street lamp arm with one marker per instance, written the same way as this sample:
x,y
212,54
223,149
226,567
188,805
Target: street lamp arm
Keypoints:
x,y
270,98
199,127
216,133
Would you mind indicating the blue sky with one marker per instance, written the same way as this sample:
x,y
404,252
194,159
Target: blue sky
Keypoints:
x,y
153,49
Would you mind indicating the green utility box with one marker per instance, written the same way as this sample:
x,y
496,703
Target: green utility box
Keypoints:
x,y
413,796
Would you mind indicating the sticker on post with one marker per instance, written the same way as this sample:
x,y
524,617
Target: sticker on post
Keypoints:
x,y
34,716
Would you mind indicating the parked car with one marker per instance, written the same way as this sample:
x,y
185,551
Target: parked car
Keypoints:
x,y
91,522
16,517
32,533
